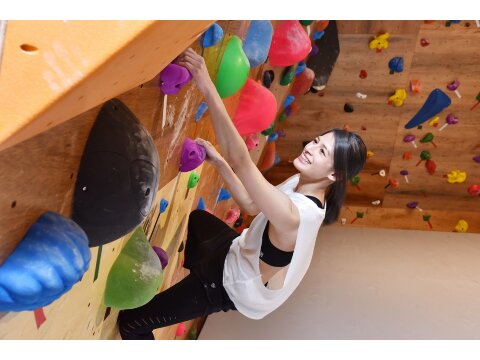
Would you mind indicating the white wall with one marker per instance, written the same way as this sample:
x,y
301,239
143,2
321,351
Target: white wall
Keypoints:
x,y
375,284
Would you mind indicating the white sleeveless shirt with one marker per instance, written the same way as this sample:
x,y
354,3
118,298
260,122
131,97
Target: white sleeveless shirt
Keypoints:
x,y
242,279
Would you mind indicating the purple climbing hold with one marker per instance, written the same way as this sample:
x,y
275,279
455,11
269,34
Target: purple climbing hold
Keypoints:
x,y
192,156
173,78
314,50
162,255
477,159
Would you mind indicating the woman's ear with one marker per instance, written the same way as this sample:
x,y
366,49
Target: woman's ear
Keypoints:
x,y
332,177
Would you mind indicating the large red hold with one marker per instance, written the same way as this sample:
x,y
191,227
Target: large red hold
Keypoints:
x,y
256,109
290,44
303,82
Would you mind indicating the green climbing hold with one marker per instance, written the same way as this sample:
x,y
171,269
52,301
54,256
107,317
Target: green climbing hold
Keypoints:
x,y
192,334
282,117
426,217
269,130
193,180
427,138
233,70
135,276
288,75
355,180
306,22
425,155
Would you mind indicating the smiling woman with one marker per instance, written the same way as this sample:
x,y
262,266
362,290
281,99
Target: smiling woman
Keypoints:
x,y
254,272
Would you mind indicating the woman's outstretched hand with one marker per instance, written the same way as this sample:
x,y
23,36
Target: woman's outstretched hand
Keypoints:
x,y
196,65
213,155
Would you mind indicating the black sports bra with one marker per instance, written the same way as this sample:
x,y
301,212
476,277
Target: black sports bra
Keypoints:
x,y
273,256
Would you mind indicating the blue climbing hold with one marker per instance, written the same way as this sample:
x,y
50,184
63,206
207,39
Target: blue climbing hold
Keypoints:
x,y
223,195
163,205
318,35
201,110
272,137
435,103
277,159
257,42
396,64
212,36
301,66
201,204
50,259
288,101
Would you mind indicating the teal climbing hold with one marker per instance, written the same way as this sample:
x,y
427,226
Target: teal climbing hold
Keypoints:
x,y
201,204
163,205
212,36
223,195
49,260
288,101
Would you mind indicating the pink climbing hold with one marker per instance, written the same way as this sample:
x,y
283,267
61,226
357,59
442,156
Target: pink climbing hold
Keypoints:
x,y
256,109
303,82
180,329
290,44
232,216
252,141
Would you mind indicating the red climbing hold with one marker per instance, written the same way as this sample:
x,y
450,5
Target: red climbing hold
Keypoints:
x,y
290,44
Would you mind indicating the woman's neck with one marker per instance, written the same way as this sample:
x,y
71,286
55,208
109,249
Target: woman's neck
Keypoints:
x,y
316,189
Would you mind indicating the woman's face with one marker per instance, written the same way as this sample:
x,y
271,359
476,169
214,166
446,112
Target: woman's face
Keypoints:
x,y
316,160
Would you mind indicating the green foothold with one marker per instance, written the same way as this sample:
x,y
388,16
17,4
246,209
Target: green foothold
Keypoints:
x,y
426,217
193,180
425,155
360,214
269,130
288,75
282,117
427,138
355,180
135,276
233,70
306,22
192,334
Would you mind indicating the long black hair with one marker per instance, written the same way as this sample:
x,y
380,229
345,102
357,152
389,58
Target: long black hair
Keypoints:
x,y
349,157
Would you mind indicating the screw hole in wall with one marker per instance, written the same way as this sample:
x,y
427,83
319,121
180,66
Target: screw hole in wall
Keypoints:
x,y
14,203
71,176
29,49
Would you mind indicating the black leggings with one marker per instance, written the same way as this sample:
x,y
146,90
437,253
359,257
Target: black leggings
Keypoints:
x,y
200,293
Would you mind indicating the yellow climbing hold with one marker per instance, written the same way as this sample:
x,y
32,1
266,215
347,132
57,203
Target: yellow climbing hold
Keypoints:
x,y
380,42
370,154
434,121
456,176
462,226
398,98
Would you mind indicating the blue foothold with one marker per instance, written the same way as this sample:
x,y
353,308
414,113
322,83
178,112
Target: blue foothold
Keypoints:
x,y
288,101
272,137
212,36
163,205
277,159
301,66
223,195
201,110
318,35
201,204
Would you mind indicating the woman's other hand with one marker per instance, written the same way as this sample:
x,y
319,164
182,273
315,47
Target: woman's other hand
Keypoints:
x,y
196,65
213,155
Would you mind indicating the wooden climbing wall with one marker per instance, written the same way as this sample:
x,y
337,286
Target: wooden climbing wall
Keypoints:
x,y
39,174
453,53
